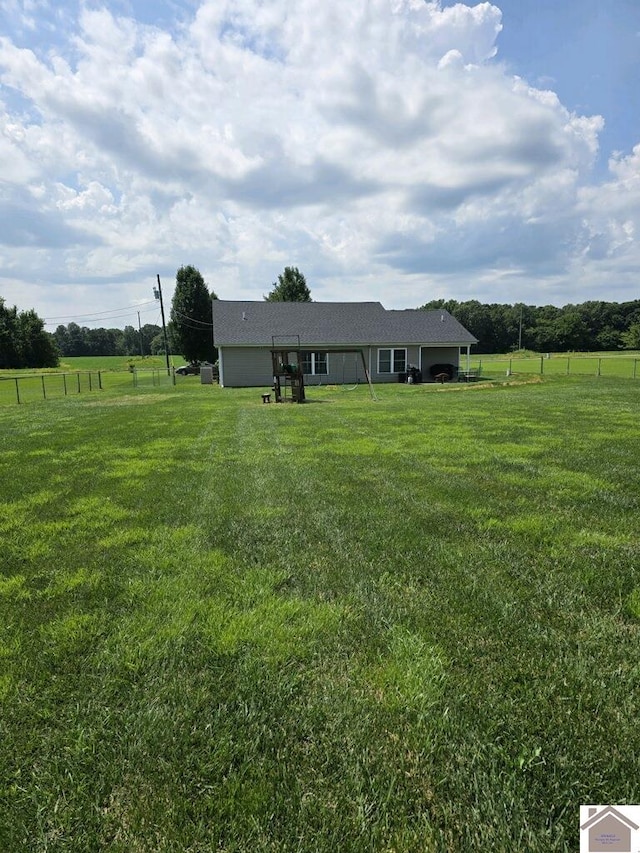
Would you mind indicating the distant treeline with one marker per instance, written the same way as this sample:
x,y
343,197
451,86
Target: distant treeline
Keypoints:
x,y
74,340
588,327
24,341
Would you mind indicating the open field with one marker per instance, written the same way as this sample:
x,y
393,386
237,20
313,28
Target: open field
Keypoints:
x,y
118,362
532,354
625,365
402,625
82,375
112,373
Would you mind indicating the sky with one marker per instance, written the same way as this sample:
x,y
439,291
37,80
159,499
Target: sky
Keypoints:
x,y
393,150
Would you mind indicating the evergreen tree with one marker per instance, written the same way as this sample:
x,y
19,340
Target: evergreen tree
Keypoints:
x,y
290,287
191,321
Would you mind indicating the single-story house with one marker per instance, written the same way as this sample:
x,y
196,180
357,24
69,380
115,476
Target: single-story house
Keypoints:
x,y
336,340
609,830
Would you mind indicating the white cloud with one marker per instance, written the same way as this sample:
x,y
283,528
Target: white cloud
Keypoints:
x,y
17,167
377,144
609,247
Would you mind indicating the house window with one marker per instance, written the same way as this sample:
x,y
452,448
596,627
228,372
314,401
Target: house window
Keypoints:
x,y
315,363
392,360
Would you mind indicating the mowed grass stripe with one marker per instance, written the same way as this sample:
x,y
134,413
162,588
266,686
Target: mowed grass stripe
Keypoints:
x,y
406,625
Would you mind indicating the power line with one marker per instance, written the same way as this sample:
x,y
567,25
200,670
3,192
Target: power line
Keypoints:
x,y
193,320
116,313
101,314
194,328
102,320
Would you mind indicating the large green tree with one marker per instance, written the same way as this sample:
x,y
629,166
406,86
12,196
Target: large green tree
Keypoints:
x,y
149,333
191,315
9,337
24,341
631,338
290,287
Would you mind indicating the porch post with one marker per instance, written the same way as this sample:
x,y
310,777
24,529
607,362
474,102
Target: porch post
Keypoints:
x,y
220,368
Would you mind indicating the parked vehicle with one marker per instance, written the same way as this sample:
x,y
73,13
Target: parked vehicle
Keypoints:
x,y
188,370
193,369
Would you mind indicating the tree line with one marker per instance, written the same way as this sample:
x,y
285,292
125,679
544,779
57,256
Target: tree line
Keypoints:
x,y
74,340
587,327
24,341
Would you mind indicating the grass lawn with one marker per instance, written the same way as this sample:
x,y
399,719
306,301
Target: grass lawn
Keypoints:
x,y
81,375
403,625
118,362
607,364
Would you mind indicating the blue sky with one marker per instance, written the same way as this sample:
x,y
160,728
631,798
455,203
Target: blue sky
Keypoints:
x,y
588,52
397,150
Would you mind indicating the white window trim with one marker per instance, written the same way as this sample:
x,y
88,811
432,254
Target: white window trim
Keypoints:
x,y
393,351
313,363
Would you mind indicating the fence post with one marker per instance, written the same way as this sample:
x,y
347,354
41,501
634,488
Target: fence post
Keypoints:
x,y
599,363
17,391
100,380
78,376
635,367
541,365
44,393
64,382
90,388
568,365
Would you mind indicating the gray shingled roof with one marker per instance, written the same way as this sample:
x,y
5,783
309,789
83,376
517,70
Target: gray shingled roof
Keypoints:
x,y
331,324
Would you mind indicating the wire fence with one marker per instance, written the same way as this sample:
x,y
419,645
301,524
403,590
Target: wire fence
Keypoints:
x,y
625,367
153,376
29,387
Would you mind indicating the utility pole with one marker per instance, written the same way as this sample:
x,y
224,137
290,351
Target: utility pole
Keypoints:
x,y
140,335
158,295
520,330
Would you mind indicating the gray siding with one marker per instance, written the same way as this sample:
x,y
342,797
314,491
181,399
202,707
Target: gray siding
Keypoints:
x,y
413,357
344,368
247,367
438,355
